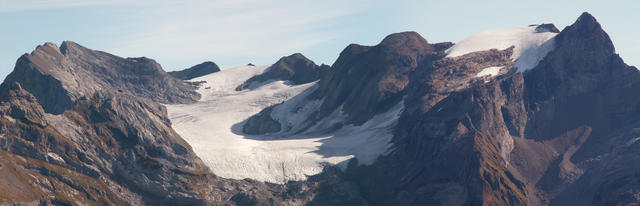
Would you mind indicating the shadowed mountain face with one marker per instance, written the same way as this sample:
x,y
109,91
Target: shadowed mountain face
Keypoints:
x,y
558,134
369,80
196,71
79,126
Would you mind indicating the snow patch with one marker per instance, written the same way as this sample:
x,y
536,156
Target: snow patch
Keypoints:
x,y
55,157
531,46
10,119
632,141
490,71
213,128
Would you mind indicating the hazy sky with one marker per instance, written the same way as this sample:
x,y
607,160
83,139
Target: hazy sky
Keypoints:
x,y
237,32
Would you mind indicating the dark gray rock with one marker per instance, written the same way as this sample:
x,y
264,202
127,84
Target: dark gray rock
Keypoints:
x,y
369,80
261,123
547,28
196,71
296,69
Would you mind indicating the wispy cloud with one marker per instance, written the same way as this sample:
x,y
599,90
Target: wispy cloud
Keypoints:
x,y
175,32
222,30
231,32
28,5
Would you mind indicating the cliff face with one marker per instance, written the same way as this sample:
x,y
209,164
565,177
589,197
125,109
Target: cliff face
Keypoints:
x,y
584,86
105,143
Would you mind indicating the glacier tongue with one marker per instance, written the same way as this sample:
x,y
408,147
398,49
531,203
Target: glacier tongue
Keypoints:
x,y
213,125
530,45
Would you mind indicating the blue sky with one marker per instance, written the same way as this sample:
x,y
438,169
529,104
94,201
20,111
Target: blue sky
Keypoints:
x,y
179,34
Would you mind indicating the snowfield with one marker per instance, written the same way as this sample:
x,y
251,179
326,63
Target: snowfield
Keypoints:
x,y
531,46
213,128
489,71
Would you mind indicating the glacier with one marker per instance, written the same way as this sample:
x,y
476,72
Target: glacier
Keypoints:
x,y
212,126
530,45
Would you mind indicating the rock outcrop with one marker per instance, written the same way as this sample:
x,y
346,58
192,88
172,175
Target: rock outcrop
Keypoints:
x,y
196,71
547,28
296,69
261,123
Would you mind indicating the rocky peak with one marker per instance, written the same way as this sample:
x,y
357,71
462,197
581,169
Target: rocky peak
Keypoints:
x,y
58,77
289,62
368,80
409,39
587,34
588,21
199,70
295,68
584,59
583,85
295,56
69,47
579,79
49,48
547,28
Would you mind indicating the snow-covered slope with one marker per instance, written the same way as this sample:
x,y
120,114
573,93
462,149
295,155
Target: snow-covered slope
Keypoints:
x,y
213,125
531,45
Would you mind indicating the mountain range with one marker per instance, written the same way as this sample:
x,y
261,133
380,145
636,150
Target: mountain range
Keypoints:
x,y
522,116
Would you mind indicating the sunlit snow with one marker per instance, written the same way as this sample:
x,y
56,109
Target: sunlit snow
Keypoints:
x,y
530,45
489,71
213,125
